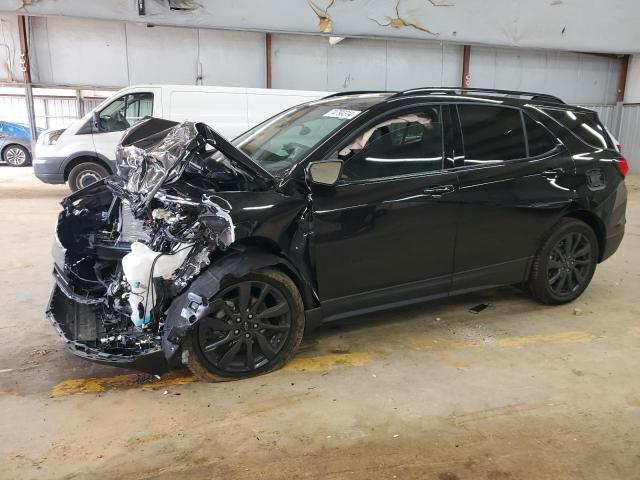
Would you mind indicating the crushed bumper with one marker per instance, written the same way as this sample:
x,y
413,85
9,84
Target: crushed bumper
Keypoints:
x,y
74,319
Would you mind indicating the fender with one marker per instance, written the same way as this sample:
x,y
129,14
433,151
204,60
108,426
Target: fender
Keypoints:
x,y
86,153
189,307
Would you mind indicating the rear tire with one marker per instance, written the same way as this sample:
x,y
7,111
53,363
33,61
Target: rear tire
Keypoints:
x,y
16,156
84,174
234,342
564,266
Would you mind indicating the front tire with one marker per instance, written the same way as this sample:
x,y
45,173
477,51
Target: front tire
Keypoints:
x,y
565,264
16,156
84,174
254,326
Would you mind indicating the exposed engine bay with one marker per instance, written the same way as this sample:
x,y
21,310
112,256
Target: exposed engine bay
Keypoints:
x,y
131,243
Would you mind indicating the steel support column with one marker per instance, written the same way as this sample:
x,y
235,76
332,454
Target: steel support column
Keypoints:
x,y
466,58
268,58
26,73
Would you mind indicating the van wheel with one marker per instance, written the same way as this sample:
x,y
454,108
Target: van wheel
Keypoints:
x,y
84,174
16,156
565,264
254,325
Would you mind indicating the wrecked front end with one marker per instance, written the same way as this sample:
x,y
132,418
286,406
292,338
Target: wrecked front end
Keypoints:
x,y
130,244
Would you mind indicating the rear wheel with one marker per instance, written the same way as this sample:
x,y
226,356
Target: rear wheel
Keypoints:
x,y
565,264
253,326
16,156
84,174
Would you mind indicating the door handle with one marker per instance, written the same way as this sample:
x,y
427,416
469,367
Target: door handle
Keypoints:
x,y
438,190
552,172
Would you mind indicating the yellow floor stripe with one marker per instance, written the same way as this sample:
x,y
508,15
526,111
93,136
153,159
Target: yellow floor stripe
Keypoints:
x,y
322,363
318,363
134,380
443,344
634,331
561,337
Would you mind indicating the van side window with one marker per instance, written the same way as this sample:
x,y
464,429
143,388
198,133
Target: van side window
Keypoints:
x,y
404,145
125,111
491,134
540,140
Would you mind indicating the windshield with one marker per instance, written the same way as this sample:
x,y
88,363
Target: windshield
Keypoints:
x,y
282,141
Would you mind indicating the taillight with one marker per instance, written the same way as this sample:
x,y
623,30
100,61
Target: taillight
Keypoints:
x,y
622,165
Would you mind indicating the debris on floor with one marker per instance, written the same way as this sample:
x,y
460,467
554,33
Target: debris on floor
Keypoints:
x,y
478,308
577,311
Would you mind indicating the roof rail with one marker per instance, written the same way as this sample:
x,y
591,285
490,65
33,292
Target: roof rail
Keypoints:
x,y
355,92
459,91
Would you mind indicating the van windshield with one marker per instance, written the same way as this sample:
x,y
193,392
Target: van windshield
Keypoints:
x,y
282,141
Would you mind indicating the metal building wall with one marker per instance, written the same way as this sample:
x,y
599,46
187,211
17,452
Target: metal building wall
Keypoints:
x,y
73,51
9,49
50,112
630,136
311,63
606,26
574,77
68,50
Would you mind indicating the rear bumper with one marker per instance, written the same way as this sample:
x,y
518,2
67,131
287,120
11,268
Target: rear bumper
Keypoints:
x,y
615,222
74,319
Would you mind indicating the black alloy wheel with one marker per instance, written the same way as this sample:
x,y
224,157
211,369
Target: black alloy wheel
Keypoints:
x,y
564,266
569,263
252,326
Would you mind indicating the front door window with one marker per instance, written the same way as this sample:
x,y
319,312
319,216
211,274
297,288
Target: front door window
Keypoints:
x,y
404,145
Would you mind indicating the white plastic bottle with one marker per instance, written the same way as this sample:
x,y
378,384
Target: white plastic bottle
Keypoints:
x,y
137,267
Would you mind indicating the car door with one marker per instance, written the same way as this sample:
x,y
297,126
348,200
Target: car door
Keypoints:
x,y
122,113
514,183
385,233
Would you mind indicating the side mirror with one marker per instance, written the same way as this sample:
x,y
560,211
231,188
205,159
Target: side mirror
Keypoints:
x,y
325,172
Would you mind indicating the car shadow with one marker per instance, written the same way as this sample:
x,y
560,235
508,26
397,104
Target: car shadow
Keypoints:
x,y
455,309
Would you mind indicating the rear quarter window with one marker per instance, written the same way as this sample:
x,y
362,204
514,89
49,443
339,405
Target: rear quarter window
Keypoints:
x,y
540,140
585,126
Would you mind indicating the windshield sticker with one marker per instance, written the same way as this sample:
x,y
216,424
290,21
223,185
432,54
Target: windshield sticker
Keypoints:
x,y
341,113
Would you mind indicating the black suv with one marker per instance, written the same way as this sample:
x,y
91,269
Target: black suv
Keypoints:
x,y
220,254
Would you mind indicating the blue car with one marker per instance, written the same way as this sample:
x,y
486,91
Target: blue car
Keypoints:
x,y
15,144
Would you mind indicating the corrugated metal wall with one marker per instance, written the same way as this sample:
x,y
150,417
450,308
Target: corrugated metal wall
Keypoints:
x,y
77,51
574,77
310,63
609,115
630,135
50,112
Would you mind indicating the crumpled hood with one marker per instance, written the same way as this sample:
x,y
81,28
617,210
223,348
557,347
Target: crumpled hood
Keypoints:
x,y
155,152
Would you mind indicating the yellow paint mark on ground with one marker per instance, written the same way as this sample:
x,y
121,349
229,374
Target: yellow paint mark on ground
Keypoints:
x,y
439,345
634,331
318,363
134,441
322,363
560,337
98,385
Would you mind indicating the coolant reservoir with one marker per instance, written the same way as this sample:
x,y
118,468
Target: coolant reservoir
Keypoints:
x,y
137,267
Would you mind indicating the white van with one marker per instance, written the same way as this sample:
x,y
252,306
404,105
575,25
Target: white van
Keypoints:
x,y
85,151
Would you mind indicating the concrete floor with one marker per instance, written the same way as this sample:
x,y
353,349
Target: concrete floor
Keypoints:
x,y
432,391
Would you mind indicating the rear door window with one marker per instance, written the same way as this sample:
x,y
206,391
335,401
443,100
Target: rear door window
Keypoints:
x,y
585,126
540,139
491,134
